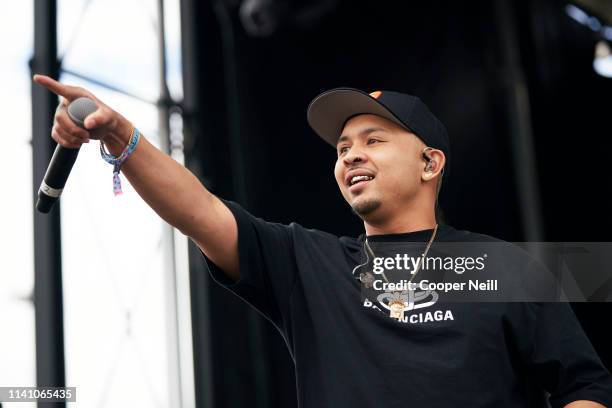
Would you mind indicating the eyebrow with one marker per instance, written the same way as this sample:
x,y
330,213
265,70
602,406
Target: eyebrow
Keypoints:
x,y
364,132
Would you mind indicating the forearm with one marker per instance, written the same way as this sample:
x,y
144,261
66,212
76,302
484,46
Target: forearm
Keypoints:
x,y
170,189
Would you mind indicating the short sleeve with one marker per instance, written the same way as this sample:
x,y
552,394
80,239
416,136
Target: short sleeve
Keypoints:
x,y
560,356
267,265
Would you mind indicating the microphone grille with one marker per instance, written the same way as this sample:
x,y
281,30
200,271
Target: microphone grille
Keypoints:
x,y
80,108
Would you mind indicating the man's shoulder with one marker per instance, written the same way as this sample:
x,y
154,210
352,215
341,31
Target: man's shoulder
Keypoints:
x,y
318,236
452,234
505,250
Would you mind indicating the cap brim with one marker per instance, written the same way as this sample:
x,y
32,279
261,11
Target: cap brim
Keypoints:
x,y
327,113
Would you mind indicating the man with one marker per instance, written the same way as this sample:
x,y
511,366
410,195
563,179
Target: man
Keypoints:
x,y
350,350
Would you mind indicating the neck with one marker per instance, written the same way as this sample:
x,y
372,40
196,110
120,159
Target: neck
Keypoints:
x,y
404,221
397,228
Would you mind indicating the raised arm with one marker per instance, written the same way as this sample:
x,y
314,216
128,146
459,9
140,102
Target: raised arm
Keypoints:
x,y
171,190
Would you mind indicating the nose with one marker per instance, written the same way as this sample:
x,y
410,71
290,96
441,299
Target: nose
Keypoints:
x,y
354,156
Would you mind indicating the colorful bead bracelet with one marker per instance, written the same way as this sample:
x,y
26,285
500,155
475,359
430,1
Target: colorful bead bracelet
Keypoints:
x,y
117,161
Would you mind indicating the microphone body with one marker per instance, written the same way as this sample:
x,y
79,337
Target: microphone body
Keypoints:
x,y
55,178
63,159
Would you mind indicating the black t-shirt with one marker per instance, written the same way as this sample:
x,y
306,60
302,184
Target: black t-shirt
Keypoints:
x,y
446,355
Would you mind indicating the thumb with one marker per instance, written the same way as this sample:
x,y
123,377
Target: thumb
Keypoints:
x,y
97,119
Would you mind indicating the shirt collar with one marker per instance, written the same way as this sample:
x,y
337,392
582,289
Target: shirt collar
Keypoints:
x,y
413,236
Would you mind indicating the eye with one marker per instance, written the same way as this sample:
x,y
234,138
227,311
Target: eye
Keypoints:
x,y
372,141
342,150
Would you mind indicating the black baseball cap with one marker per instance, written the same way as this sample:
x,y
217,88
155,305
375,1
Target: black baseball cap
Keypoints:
x,y
329,111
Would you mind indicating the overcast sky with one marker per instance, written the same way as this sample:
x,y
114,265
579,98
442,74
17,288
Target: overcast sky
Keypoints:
x,y
107,289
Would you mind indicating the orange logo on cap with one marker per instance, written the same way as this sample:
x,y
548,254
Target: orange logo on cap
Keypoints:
x,y
376,94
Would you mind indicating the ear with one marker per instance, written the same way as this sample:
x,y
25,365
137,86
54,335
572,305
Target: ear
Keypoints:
x,y
433,163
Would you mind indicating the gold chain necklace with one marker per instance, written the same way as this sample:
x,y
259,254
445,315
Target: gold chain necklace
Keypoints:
x,y
418,268
396,307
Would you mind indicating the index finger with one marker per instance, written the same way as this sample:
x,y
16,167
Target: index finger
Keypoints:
x,y
67,91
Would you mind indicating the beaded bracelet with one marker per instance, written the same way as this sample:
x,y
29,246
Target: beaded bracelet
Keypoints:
x,y
117,161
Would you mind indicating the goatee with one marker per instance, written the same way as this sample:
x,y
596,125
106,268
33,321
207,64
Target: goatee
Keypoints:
x,y
363,208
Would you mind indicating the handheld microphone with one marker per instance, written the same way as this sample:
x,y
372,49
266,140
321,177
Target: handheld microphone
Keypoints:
x,y
63,159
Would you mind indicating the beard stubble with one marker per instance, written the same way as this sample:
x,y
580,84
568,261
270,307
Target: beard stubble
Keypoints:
x,y
365,207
